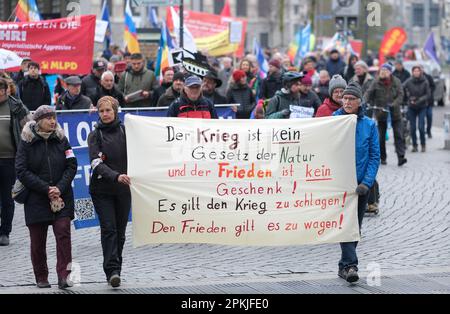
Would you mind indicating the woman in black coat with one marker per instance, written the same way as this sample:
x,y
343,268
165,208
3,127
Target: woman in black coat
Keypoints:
x,y
109,186
46,166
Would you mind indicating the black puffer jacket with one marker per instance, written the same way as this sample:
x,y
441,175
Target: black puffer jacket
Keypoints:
x,y
43,163
110,140
89,86
243,95
114,93
80,102
419,90
34,92
270,86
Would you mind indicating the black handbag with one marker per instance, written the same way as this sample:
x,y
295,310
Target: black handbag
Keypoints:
x,y
20,192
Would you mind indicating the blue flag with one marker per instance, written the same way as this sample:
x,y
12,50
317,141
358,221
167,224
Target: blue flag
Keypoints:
x,y
153,17
430,48
105,17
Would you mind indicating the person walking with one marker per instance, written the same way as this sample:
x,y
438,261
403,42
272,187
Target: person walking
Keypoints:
x,y
46,166
110,185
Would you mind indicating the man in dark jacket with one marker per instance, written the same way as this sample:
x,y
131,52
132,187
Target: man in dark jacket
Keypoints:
x,y
108,88
335,65
240,93
72,99
210,84
400,72
33,89
387,92
273,82
323,85
429,120
19,76
92,81
168,74
418,93
191,103
173,92
308,98
13,116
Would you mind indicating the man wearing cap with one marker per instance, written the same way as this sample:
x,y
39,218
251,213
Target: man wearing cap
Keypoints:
x,y
138,79
367,163
334,102
172,92
273,82
210,85
166,83
13,116
108,88
92,81
308,98
335,65
33,89
240,93
387,92
191,103
72,99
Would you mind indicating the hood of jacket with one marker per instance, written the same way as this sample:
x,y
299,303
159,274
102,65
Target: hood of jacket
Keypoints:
x,y
29,134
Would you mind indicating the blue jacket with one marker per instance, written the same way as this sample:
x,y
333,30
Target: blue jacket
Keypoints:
x,y
367,148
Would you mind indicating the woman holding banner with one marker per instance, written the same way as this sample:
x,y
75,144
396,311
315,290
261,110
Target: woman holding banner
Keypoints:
x,y
110,185
367,164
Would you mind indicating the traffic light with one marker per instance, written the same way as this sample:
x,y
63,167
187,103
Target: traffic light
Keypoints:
x,y
352,23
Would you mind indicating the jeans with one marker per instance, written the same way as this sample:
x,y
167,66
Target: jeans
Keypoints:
x,y
38,241
413,114
113,212
348,249
7,178
429,119
398,138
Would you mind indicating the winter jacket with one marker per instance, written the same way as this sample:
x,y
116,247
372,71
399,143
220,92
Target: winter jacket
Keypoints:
x,y
419,90
381,95
216,98
110,141
281,101
310,100
43,163
19,117
367,80
159,92
327,108
403,76
131,82
89,86
322,90
34,92
168,98
80,102
432,89
367,148
243,95
335,67
183,107
114,93
270,85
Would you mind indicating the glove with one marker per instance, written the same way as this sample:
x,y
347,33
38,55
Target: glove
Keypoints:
x,y
286,113
362,189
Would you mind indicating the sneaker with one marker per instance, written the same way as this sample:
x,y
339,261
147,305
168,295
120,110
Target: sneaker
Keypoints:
x,y
373,208
43,284
64,284
114,281
350,274
402,161
424,148
4,240
414,150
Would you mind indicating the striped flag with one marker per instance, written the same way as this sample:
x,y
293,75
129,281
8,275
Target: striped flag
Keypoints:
x,y
27,11
130,36
165,46
262,62
105,17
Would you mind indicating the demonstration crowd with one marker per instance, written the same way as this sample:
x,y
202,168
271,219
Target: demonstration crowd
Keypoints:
x,y
35,151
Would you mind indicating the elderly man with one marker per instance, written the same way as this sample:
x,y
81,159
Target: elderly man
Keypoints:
x,y
323,85
72,99
367,162
225,74
362,76
191,103
210,84
92,81
108,88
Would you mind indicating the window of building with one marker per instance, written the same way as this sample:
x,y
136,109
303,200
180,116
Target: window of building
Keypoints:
x,y
418,14
264,8
296,9
434,15
218,6
241,7
264,40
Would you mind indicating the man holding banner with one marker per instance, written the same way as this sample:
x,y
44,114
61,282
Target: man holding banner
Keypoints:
x,y
367,163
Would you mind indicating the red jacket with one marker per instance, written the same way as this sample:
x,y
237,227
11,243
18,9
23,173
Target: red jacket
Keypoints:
x,y
327,108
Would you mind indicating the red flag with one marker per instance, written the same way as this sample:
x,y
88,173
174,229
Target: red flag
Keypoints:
x,y
392,43
226,12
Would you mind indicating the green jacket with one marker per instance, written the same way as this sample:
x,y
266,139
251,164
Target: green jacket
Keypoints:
x,y
132,82
278,103
380,95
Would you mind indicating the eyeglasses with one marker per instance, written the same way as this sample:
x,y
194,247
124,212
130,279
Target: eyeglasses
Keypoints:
x,y
338,92
349,98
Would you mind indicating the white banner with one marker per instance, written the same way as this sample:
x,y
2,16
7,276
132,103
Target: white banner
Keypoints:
x,y
259,182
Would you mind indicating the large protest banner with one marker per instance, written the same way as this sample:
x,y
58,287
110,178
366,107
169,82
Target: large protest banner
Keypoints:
x,y
61,46
77,126
269,182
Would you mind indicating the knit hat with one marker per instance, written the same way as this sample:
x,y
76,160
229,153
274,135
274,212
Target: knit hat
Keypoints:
x,y
238,75
362,64
43,112
306,80
388,67
336,82
354,89
276,63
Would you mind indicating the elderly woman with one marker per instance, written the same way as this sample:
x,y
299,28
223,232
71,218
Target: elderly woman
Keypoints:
x,y
367,163
46,166
109,186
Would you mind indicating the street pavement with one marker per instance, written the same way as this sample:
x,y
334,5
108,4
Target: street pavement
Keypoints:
x,y
405,249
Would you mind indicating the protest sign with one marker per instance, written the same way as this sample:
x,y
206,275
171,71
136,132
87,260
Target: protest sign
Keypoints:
x,y
277,182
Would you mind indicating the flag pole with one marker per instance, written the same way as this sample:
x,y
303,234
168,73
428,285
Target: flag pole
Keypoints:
x,y
182,24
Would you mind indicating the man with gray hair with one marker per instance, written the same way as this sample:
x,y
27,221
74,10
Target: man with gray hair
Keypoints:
x,y
108,88
225,74
362,76
72,99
